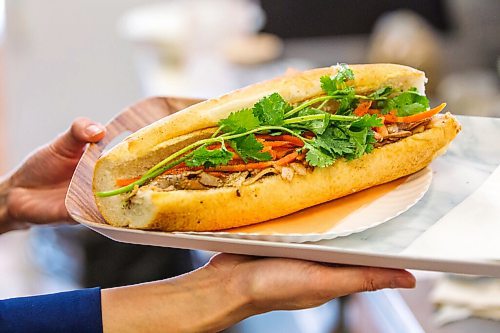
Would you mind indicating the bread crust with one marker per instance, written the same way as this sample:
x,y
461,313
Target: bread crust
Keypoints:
x,y
221,208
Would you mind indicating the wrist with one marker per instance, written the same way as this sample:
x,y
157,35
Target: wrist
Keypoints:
x,y
226,300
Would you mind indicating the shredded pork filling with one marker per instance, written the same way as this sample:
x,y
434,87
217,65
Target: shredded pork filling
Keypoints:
x,y
398,131
201,180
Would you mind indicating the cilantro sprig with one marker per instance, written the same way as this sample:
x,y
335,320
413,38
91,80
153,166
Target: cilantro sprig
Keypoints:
x,y
407,103
338,135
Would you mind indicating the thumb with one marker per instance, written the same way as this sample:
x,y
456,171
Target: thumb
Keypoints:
x,y
82,131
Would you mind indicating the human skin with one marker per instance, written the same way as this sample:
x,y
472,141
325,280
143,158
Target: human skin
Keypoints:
x,y
231,288
226,290
34,193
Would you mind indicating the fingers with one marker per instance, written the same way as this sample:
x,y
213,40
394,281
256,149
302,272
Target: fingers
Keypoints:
x,y
356,279
71,143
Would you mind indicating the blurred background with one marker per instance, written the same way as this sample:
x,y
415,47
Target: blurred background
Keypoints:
x,y
63,59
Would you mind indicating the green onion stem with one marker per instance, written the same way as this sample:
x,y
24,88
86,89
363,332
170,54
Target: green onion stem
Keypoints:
x,y
322,105
180,152
308,103
371,99
325,99
217,131
318,117
146,177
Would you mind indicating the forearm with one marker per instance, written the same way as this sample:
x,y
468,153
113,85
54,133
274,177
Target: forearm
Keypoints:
x,y
201,301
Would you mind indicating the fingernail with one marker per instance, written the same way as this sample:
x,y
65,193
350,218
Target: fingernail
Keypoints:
x,y
93,130
403,282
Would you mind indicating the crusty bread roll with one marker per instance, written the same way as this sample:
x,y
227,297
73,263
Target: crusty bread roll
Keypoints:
x,y
272,196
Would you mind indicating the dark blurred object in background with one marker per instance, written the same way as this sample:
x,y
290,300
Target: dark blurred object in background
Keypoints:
x,y
315,18
109,263
79,255
404,37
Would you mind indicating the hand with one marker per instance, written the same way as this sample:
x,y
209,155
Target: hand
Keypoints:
x,y
231,288
35,192
290,284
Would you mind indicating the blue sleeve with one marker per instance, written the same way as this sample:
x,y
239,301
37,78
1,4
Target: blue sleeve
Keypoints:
x,y
73,311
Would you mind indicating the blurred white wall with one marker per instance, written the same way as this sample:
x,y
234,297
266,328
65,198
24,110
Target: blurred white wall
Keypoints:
x,y
63,59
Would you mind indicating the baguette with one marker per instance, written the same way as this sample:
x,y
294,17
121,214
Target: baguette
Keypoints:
x,y
271,196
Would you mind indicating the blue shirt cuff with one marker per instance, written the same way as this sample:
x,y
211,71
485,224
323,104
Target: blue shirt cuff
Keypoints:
x,y
73,311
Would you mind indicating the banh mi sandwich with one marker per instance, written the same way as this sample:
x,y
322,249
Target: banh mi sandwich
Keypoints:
x,y
272,149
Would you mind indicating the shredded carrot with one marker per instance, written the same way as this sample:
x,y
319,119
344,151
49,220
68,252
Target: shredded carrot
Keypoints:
x,y
293,139
236,157
423,115
382,130
126,181
287,159
269,150
214,146
391,117
276,143
281,152
373,111
259,165
176,171
241,167
362,108
283,137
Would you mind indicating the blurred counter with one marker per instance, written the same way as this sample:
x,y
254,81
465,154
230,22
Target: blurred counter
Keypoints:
x,y
409,311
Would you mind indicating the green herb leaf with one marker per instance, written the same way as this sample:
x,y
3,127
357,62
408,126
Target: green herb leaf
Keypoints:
x,y
410,102
249,148
335,141
328,85
336,86
316,126
347,103
331,85
367,120
315,156
370,140
381,93
349,140
407,103
359,139
271,110
209,158
240,121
